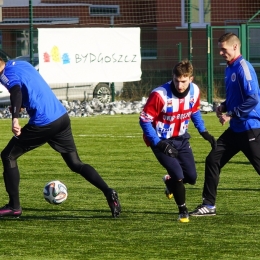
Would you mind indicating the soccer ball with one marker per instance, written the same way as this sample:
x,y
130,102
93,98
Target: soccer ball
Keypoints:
x,y
55,192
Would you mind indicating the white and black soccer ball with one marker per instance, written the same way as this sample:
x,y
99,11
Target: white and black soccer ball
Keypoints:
x,y
55,192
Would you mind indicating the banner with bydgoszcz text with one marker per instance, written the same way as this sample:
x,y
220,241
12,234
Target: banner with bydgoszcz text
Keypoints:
x,y
69,55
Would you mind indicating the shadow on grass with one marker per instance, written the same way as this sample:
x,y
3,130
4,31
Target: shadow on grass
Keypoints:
x,y
191,187
230,162
229,189
65,215
58,215
128,214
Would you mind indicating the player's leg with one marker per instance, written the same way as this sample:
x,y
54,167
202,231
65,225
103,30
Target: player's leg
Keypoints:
x,y
85,170
11,179
16,147
250,147
175,183
63,143
92,176
187,162
227,147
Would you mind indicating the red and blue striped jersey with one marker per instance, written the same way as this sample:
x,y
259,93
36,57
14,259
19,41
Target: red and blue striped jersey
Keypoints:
x,y
165,116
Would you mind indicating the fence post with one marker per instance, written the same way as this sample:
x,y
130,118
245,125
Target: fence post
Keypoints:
x,y
209,67
189,31
179,51
31,31
113,91
112,86
244,41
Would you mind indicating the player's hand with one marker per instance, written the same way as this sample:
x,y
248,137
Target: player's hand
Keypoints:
x,y
165,147
220,111
16,128
224,118
209,138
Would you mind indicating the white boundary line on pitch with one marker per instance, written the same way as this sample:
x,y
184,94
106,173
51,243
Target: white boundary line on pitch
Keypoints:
x,y
115,136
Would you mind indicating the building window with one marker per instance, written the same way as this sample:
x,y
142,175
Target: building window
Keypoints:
x,y
200,13
149,43
254,56
104,10
148,54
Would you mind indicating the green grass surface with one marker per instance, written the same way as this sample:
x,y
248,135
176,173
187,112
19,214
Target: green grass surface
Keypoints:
x,y
82,227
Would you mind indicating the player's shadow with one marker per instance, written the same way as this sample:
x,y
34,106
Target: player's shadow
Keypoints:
x,y
72,215
127,214
230,162
228,189
59,215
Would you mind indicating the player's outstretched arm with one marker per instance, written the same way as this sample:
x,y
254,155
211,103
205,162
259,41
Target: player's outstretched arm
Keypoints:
x,y
210,138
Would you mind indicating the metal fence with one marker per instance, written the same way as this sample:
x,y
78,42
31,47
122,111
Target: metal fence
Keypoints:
x,y
170,31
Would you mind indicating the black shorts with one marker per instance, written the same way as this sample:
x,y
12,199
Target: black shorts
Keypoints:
x,y
57,134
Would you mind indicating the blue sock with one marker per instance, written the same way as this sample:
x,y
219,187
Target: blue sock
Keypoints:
x,y
209,206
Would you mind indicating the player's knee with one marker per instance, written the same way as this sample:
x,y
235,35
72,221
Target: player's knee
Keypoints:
x,y
210,159
193,182
190,180
75,166
190,176
5,157
2,155
8,161
73,162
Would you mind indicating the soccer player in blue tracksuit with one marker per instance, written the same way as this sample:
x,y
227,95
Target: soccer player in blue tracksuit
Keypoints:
x,y
48,123
242,110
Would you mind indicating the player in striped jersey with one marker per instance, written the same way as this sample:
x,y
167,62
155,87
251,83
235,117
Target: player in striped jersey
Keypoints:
x,y
242,110
164,121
